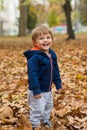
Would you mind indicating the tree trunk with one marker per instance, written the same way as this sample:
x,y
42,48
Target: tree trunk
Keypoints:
x,y
23,18
67,9
1,28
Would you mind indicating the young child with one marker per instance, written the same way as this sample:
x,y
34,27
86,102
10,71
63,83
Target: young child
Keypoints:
x,y
42,72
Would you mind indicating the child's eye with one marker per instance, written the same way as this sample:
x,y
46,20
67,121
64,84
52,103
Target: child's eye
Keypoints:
x,y
41,38
48,37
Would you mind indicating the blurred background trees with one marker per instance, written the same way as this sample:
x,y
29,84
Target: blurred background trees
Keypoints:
x,y
82,7
63,16
31,18
52,19
1,20
68,9
23,18
55,14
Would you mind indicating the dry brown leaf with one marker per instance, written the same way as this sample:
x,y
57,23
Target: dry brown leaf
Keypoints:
x,y
6,115
64,111
81,120
70,119
61,128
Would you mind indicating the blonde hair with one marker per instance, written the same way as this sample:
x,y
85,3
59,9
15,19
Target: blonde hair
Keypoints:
x,y
40,30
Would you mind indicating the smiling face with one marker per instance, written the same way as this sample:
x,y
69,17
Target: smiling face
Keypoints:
x,y
42,38
44,42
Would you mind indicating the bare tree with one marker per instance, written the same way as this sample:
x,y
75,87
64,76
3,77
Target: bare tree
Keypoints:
x,y
1,19
67,9
66,4
23,18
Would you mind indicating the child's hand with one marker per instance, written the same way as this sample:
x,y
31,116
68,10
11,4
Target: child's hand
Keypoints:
x,y
37,96
58,91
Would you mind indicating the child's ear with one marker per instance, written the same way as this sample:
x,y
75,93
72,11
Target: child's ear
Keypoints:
x,y
34,43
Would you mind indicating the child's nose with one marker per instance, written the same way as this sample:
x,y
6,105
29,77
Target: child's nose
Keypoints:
x,y
45,39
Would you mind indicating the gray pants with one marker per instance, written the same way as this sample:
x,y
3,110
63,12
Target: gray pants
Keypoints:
x,y
40,108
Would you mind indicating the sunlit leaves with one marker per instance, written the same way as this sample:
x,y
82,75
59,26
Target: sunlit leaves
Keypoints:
x,y
1,4
57,1
53,19
27,2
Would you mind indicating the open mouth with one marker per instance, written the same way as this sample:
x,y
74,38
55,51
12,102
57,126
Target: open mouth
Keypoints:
x,y
45,44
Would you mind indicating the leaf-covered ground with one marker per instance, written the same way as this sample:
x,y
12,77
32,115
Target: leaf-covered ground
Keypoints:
x,y
70,105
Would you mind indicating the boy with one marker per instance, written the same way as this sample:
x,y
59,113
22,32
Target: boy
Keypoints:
x,y
42,71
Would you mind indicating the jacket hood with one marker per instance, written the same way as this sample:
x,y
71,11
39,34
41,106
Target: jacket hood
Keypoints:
x,y
29,53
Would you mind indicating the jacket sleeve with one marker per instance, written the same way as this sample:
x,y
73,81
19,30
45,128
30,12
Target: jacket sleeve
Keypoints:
x,y
33,75
56,76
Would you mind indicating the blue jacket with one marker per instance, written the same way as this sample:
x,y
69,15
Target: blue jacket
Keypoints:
x,y
42,71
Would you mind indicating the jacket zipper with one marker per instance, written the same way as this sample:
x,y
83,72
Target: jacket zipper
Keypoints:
x,y
51,73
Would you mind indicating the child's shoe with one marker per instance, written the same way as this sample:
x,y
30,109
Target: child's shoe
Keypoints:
x,y
36,128
48,124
